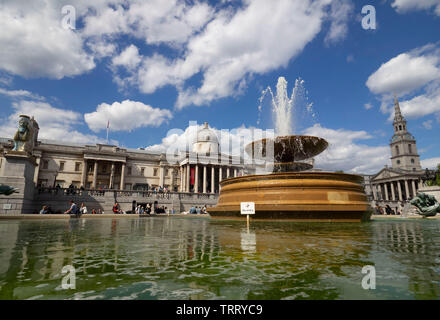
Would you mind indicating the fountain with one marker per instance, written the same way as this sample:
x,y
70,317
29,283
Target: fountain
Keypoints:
x,y
290,192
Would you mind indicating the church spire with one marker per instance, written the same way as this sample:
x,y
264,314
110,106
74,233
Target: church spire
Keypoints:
x,y
397,113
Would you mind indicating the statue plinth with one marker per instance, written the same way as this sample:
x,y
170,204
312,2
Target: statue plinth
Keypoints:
x,y
19,171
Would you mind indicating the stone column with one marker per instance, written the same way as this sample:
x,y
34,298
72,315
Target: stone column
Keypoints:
x,y
188,174
227,172
386,191
393,193
196,179
235,172
171,187
220,174
373,187
182,169
95,174
408,196
413,183
122,184
161,176
37,170
84,174
112,176
399,188
212,179
204,179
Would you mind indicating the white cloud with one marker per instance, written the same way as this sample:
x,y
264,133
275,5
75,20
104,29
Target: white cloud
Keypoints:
x,y
344,153
129,58
368,106
20,94
430,163
34,44
125,116
347,155
235,45
406,72
427,124
415,77
339,15
54,123
403,6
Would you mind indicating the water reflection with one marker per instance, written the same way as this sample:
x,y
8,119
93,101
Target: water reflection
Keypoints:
x,y
172,258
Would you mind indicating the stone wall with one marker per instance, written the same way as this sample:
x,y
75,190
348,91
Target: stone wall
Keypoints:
x,y
58,200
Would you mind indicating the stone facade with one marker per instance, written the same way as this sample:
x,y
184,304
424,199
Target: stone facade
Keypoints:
x,y
106,167
396,185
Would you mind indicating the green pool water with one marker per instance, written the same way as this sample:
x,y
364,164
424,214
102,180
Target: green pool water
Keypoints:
x,y
178,258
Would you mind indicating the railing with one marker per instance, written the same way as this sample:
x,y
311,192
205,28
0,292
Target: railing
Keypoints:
x,y
126,193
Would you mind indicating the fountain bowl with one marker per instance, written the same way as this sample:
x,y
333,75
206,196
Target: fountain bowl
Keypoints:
x,y
287,148
296,196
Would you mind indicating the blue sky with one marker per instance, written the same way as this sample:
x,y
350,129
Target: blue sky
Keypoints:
x,y
152,66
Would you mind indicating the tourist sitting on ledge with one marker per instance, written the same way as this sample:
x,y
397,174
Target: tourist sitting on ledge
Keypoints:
x,y
73,209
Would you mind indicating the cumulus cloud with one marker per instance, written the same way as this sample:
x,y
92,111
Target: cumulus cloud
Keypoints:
x,y
34,43
344,153
55,123
430,163
403,6
339,15
126,116
19,94
415,77
406,72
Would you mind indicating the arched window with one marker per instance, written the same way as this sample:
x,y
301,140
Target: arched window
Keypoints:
x,y
397,150
410,148
412,161
400,127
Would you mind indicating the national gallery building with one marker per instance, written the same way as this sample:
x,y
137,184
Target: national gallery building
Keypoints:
x,y
110,167
126,175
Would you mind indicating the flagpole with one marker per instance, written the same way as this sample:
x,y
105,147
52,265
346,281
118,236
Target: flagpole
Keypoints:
x,y
108,126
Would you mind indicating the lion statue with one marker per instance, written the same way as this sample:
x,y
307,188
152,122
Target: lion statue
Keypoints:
x,y
24,137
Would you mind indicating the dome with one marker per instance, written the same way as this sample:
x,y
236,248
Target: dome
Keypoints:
x,y
207,141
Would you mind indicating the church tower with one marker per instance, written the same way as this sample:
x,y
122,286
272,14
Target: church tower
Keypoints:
x,y
403,144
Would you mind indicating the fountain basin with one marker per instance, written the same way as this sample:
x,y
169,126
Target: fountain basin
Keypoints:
x,y
299,196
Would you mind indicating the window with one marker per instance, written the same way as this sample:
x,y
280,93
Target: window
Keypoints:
x,y
77,166
166,172
129,171
397,150
155,172
90,168
410,148
104,168
62,163
398,161
142,171
45,164
412,160
400,127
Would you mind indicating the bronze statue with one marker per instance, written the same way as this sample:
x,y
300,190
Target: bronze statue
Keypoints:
x,y
426,204
7,190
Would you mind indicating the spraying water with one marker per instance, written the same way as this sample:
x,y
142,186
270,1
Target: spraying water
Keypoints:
x,y
287,111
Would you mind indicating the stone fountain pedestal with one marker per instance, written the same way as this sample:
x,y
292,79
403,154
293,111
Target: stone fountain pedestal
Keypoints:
x,y
294,195
18,172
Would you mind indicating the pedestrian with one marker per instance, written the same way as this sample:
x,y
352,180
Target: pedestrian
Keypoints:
x,y
83,209
43,210
73,209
